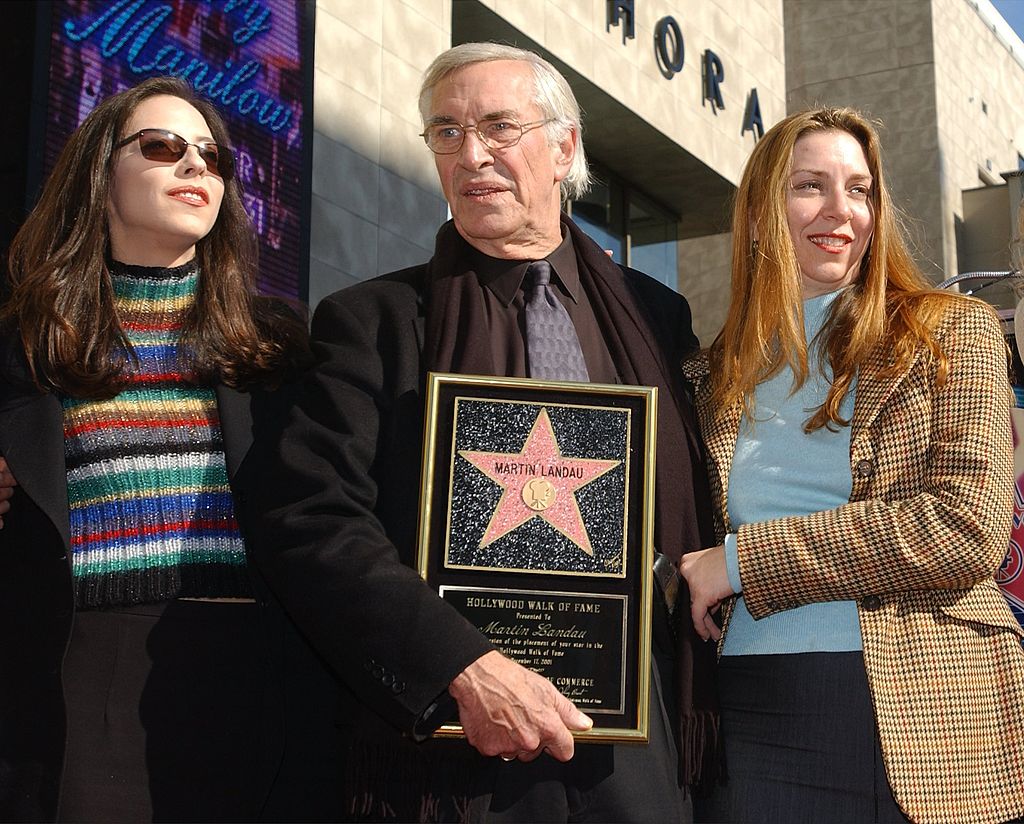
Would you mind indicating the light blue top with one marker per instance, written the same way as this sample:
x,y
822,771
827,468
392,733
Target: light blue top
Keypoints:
x,y
778,470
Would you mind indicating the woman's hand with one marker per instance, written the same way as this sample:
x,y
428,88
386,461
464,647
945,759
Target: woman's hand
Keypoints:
x,y
708,581
7,484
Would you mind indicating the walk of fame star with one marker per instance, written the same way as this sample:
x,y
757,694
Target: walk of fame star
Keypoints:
x,y
538,482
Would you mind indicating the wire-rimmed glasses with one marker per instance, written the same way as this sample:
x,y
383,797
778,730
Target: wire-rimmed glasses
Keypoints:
x,y
494,133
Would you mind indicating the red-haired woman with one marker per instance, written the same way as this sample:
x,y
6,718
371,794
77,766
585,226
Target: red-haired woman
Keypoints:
x,y
858,434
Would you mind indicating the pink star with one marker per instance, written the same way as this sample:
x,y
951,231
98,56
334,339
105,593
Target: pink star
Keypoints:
x,y
538,482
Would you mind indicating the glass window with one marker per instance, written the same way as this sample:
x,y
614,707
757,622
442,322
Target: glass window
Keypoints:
x,y
636,231
652,241
599,214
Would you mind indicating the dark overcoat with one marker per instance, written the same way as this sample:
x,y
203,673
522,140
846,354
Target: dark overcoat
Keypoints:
x,y
340,504
36,596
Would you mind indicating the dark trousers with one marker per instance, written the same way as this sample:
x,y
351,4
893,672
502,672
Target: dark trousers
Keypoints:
x,y
602,782
164,705
800,743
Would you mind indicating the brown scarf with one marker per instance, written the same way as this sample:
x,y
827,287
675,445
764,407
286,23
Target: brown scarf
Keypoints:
x,y
455,323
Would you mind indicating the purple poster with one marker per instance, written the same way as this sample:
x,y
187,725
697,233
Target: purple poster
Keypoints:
x,y
1010,576
248,56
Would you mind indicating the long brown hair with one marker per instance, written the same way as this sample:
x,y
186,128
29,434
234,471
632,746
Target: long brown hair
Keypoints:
x,y
890,303
62,301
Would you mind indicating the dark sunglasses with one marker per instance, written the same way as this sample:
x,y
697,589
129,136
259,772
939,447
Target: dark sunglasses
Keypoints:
x,y
168,147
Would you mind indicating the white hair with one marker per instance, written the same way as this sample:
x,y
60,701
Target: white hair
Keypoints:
x,y
552,95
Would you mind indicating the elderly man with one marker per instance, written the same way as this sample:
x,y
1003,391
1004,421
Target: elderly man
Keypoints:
x,y
341,495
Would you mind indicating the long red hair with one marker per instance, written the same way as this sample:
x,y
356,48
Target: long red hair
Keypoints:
x,y
890,303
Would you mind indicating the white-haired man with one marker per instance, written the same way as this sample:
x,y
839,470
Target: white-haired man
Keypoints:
x,y
341,510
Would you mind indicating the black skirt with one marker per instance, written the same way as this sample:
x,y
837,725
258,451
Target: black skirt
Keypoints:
x,y
801,743
165,708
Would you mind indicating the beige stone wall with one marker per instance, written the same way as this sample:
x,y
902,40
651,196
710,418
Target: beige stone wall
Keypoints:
x,y
928,68
746,34
979,83
922,67
880,61
376,200
705,270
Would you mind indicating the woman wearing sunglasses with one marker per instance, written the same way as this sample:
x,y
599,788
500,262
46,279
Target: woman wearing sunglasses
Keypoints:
x,y
134,356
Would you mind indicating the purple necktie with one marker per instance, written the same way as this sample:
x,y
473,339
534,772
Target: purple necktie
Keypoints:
x,y
552,346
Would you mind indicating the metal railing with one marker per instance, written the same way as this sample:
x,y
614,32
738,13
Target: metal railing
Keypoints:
x,y
990,278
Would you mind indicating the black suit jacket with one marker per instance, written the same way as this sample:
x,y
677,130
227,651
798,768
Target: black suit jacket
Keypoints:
x,y
36,597
339,500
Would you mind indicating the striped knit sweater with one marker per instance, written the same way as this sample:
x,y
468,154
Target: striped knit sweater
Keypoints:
x,y
152,516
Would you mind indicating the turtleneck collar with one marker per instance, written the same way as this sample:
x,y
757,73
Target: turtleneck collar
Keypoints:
x,y
148,291
130,270
816,311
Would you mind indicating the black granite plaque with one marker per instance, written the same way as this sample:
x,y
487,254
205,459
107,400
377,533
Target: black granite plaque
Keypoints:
x,y
544,491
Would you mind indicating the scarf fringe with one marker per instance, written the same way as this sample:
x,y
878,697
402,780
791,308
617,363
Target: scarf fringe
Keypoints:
x,y
399,781
702,762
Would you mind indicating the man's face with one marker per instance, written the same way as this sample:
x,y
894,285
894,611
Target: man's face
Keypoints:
x,y
505,202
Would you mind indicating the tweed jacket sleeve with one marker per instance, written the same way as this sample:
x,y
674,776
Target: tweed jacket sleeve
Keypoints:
x,y
932,484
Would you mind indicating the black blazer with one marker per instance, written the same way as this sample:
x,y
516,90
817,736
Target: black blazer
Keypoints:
x,y
36,598
339,497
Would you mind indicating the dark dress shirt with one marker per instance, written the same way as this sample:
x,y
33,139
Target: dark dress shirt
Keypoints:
x,y
505,301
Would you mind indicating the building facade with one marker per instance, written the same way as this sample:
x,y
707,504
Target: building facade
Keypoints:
x,y
674,93
945,78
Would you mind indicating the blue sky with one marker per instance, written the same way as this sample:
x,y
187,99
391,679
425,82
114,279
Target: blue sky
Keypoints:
x,y
1013,12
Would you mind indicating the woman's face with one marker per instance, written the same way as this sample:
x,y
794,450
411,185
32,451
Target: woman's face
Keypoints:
x,y
828,207
159,210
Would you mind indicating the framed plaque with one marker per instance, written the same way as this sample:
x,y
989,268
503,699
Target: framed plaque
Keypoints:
x,y
536,517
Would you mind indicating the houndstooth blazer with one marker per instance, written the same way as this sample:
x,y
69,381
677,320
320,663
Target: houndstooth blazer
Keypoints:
x,y
926,527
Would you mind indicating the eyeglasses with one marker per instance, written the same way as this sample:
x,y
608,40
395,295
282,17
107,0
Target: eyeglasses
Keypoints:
x,y
496,133
168,147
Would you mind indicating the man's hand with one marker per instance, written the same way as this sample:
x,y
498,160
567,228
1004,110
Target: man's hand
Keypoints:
x,y
7,484
706,575
507,710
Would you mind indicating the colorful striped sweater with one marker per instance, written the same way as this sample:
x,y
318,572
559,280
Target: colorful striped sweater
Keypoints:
x,y
152,517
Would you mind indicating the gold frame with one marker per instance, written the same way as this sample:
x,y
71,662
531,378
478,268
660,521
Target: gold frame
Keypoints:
x,y
635,585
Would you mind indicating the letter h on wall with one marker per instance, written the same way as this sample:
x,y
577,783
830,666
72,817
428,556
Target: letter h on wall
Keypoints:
x,y
621,12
